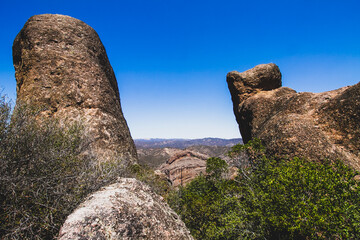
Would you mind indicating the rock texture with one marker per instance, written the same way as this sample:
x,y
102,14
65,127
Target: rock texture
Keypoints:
x,y
243,85
184,166
125,210
317,126
62,65
154,157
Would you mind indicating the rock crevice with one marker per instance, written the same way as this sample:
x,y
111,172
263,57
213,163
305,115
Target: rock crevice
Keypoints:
x,y
62,65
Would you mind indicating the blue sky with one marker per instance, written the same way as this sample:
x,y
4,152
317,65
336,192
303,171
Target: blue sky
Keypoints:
x,y
171,57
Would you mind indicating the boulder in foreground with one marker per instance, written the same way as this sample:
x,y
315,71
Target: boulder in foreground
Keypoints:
x,y
127,209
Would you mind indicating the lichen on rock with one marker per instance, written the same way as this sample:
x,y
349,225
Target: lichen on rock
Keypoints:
x,y
127,209
317,126
62,66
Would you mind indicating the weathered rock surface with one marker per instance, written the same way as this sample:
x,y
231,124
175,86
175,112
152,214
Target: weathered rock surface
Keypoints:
x,y
154,157
243,85
127,209
184,166
317,126
62,65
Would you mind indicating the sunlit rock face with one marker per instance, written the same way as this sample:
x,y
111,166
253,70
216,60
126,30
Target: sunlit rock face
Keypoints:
x,y
62,66
127,209
317,126
184,166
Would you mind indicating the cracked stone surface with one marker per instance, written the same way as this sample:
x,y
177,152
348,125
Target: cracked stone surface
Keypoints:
x,y
62,66
317,126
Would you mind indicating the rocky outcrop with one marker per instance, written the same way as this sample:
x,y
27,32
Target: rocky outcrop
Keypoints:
x,y
243,85
62,66
154,157
184,166
317,126
127,209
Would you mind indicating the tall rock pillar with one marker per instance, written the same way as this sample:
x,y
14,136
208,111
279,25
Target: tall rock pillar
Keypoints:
x,y
62,65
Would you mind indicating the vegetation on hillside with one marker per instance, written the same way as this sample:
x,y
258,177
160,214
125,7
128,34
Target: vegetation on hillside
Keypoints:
x,y
270,199
42,176
146,174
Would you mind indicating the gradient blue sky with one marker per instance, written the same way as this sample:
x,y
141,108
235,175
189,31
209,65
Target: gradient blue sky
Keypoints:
x,y
171,57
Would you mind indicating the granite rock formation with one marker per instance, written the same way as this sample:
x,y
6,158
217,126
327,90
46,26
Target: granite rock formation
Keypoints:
x,y
184,166
62,66
127,209
154,157
316,126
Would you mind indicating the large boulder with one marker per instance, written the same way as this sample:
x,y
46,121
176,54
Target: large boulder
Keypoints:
x,y
127,209
317,126
62,66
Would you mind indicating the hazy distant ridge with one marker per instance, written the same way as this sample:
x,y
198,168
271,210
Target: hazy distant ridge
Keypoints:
x,y
184,143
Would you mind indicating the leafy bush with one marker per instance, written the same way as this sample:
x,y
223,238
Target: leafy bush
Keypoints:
x,y
209,205
147,175
299,199
42,176
270,199
216,168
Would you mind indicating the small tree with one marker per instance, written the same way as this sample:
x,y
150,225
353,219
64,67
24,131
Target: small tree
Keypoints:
x,y
216,168
209,204
298,198
270,199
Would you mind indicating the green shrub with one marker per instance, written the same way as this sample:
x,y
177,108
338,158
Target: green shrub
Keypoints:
x,y
209,204
216,168
270,199
147,175
42,176
299,199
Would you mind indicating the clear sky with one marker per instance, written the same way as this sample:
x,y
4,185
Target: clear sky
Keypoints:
x,y
171,57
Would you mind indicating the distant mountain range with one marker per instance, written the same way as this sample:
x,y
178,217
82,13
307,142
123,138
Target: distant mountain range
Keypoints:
x,y
154,157
185,143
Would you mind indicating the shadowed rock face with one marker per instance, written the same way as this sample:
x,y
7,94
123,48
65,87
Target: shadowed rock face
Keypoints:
x,y
243,85
125,210
61,64
317,126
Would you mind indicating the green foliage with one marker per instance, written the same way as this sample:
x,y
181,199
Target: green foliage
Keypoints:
x,y
216,167
147,175
209,204
253,149
42,176
270,199
5,109
299,199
